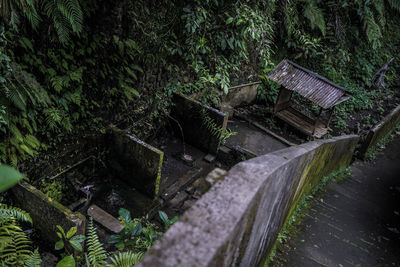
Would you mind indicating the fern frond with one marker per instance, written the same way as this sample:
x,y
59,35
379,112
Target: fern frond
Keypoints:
x,y
16,132
18,250
11,10
28,9
22,88
380,9
96,254
291,16
67,16
7,229
372,29
58,82
74,97
33,259
125,259
54,117
72,11
315,15
16,213
395,4
12,93
31,141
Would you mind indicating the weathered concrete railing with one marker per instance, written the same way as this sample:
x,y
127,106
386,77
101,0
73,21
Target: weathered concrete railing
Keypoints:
x,y
238,220
380,130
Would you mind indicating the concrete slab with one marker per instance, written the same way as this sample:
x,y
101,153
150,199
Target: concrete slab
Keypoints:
x,y
252,139
105,219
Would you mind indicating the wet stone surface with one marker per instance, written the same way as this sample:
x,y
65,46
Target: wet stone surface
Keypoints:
x,y
355,223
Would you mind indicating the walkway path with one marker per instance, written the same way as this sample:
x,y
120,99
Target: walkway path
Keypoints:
x,y
355,222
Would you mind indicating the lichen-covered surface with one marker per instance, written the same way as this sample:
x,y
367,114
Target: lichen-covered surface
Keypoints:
x,y
237,221
380,130
135,162
47,213
191,116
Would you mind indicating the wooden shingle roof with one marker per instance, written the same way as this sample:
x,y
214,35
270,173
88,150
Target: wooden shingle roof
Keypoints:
x,y
308,84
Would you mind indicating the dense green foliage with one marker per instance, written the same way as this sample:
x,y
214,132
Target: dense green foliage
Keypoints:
x,y
71,67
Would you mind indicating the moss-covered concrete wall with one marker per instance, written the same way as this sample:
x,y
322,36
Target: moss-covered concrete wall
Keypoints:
x,y
134,161
47,213
238,220
201,124
380,130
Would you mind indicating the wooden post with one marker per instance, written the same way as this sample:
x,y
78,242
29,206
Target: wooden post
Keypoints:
x,y
277,100
330,117
317,120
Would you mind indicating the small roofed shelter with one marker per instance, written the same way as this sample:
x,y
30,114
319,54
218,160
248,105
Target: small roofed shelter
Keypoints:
x,y
312,86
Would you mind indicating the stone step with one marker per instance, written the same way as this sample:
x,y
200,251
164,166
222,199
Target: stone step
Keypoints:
x,y
105,219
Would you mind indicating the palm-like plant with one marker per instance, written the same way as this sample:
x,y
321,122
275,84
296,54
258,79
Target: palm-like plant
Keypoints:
x,y
11,11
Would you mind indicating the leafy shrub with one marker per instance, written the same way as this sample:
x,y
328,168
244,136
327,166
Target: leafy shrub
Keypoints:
x,y
138,234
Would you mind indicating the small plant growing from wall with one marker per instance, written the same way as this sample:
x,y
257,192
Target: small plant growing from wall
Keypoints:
x,y
217,131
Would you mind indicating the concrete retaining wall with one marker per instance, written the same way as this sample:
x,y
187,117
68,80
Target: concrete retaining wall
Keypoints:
x,y
47,213
380,130
241,94
134,161
192,117
238,220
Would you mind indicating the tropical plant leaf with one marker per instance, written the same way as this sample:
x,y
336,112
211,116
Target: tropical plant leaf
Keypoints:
x,y
8,177
67,261
59,245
